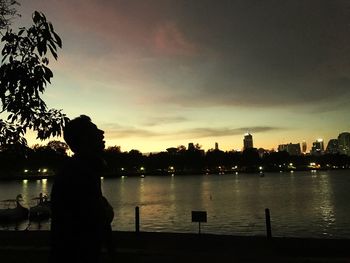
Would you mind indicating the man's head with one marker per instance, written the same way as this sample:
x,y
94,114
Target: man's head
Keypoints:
x,y
83,136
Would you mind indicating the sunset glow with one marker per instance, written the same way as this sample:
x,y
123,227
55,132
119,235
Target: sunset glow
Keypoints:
x,y
158,74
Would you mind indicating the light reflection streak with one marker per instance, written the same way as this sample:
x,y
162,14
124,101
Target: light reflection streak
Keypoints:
x,y
323,193
24,189
44,186
327,207
206,194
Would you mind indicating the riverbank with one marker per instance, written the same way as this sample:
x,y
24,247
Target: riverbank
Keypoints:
x,y
33,246
196,173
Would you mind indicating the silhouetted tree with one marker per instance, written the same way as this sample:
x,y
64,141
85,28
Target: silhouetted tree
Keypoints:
x,y
215,159
7,12
194,159
59,147
50,156
24,75
114,158
135,160
159,162
12,159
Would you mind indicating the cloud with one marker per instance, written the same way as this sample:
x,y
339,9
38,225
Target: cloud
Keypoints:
x,y
164,120
202,54
169,40
221,132
289,54
115,130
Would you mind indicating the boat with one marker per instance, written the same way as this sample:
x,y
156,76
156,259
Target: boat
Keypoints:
x,y
42,210
16,214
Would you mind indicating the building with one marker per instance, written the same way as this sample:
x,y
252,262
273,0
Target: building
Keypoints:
x,y
317,147
247,141
304,147
291,148
332,146
216,146
344,143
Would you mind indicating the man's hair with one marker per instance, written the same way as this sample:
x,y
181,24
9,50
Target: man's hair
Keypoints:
x,y
74,130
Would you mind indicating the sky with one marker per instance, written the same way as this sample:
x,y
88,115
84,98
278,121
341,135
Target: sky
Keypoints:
x,y
155,74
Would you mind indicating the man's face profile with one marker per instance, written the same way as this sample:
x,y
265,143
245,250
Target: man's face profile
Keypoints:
x,y
93,139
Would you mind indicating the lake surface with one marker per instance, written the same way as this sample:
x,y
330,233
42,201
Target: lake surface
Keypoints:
x,y
302,204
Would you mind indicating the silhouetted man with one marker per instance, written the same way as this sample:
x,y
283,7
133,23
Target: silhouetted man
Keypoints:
x,y
81,216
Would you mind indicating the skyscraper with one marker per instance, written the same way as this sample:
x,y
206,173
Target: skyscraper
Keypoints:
x,y
304,147
247,141
317,147
291,148
344,143
332,146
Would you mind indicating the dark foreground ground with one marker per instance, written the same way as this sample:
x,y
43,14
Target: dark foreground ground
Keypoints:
x,y
32,246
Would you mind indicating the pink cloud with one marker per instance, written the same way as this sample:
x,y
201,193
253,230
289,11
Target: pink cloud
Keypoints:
x,y
169,40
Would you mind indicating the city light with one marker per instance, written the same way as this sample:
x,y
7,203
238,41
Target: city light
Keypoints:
x,y
314,165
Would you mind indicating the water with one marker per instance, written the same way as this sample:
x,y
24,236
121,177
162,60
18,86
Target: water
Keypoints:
x,y
302,204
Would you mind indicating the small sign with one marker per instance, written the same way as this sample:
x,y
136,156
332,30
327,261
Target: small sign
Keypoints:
x,y
199,216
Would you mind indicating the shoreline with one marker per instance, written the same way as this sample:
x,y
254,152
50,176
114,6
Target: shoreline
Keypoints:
x,y
114,175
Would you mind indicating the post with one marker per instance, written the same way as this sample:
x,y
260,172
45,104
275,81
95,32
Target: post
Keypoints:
x,y
268,224
199,216
137,219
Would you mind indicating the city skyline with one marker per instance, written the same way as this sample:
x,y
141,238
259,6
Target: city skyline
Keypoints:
x,y
248,141
156,73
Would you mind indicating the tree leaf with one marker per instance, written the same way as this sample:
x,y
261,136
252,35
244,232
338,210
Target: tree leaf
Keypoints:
x,y
58,39
54,54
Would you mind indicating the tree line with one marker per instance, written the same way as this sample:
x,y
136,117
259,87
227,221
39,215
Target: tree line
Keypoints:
x,y
18,159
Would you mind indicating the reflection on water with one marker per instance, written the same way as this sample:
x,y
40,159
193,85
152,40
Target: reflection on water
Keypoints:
x,y
308,204
326,203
